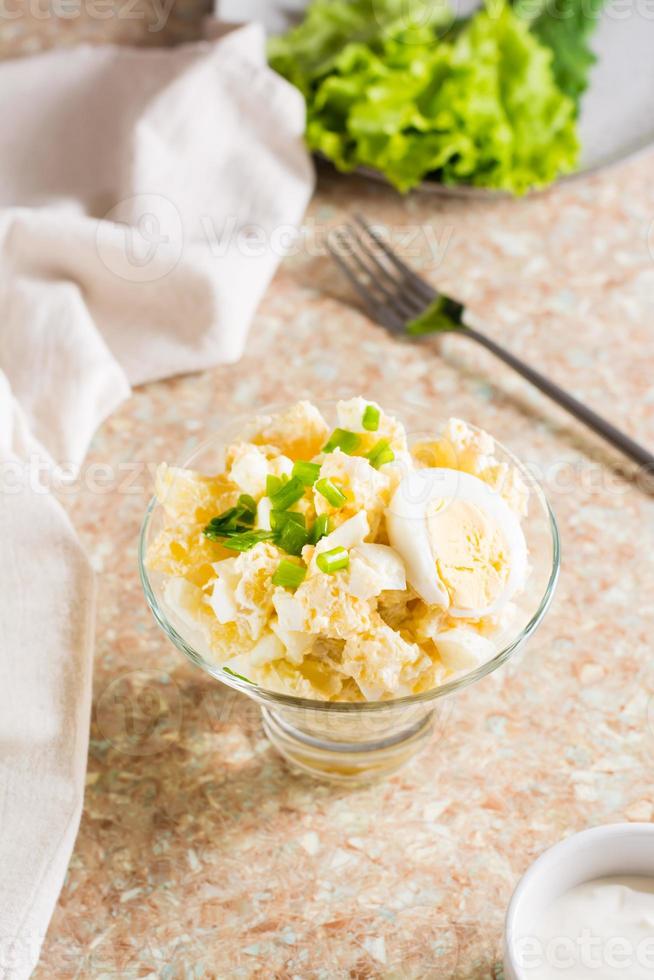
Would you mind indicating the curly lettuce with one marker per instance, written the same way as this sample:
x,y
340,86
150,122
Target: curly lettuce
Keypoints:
x,y
479,105
565,26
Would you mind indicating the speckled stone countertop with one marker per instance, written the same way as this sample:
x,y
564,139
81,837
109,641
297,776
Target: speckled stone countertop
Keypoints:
x,y
200,854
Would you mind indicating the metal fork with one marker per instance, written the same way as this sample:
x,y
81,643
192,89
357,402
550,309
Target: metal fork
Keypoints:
x,y
405,303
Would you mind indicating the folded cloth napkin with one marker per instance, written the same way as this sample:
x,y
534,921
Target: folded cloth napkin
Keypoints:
x,y
145,196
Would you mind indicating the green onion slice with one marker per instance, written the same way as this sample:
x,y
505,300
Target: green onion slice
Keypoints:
x,y
288,574
380,454
342,439
287,494
247,540
278,518
228,670
292,538
370,420
226,523
234,520
328,489
248,504
273,483
333,561
307,472
321,527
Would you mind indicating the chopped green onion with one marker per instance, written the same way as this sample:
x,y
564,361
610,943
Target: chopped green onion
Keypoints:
x,y
292,538
328,489
234,520
247,540
228,670
285,496
288,574
333,561
273,483
380,454
370,420
307,472
248,504
225,523
342,439
320,528
278,518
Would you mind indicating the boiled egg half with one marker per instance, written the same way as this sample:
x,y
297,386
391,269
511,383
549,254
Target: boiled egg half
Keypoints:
x,y
462,545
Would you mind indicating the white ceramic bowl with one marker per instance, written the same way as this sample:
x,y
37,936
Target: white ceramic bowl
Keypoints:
x,y
616,849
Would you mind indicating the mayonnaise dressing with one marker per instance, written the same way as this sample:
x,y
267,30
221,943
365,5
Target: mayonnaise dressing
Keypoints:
x,y
601,930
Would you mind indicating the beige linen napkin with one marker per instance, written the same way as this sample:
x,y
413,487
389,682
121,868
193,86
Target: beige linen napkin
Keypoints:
x,y
144,200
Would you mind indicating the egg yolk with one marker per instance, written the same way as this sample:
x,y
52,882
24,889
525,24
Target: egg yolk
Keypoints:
x,y
471,555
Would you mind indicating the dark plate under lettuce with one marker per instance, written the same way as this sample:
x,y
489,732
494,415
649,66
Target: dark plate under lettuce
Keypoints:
x,y
406,88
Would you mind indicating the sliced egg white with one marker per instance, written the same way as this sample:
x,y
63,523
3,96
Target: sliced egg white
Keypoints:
x,y
264,508
222,598
351,532
375,568
296,644
463,649
415,535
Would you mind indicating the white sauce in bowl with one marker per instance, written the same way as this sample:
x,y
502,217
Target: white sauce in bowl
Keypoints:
x,y
600,930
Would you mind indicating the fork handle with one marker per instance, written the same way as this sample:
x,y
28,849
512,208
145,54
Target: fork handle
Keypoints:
x,y
580,411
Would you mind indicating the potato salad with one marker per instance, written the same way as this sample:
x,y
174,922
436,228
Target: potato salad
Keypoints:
x,y
342,563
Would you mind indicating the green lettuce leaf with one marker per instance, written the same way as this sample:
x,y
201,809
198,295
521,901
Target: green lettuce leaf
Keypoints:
x,y
478,106
309,51
566,27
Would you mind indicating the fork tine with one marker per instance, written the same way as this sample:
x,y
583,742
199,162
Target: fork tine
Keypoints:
x,y
428,292
368,289
392,296
411,304
380,312
375,288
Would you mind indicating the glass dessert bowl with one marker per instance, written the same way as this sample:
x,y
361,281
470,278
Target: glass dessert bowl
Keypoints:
x,y
359,727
